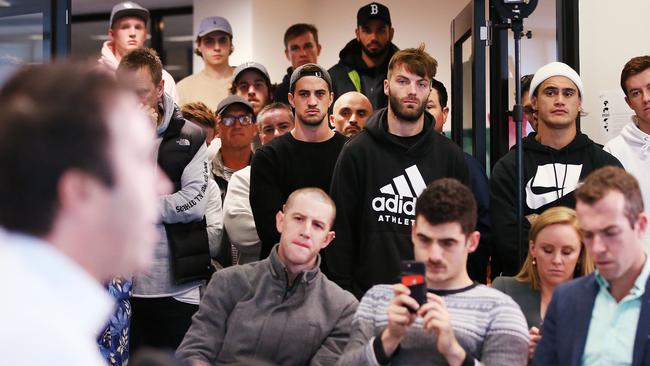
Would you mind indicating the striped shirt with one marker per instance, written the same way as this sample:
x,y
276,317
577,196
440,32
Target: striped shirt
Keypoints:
x,y
487,323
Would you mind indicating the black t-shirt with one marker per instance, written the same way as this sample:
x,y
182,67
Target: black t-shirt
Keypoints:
x,y
282,166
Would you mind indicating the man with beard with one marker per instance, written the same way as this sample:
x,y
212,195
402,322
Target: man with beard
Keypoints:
x,y
364,60
350,113
382,171
303,158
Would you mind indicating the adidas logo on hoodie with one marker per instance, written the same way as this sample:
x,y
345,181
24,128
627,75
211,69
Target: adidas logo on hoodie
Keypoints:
x,y
397,202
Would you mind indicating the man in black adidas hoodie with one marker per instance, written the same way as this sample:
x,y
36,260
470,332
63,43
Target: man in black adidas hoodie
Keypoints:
x,y
381,172
556,158
364,60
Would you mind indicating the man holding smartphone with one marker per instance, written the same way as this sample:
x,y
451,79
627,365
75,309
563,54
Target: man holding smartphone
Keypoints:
x,y
461,322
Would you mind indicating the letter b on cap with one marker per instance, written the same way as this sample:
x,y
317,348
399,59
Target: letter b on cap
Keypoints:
x,y
374,9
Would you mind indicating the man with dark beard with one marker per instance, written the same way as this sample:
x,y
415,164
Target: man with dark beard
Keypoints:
x,y
303,158
381,172
364,60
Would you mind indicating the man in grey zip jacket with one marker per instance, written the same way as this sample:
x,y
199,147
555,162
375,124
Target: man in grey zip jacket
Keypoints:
x,y
281,310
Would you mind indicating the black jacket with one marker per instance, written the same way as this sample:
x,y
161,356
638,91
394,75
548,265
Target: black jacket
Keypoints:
x,y
188,242
372,79
282,89
376,181
550,177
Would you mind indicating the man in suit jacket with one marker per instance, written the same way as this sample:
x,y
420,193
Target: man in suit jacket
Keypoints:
x,y
604,319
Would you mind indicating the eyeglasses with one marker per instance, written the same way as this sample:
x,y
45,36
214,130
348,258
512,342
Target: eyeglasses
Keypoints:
x,y
243,120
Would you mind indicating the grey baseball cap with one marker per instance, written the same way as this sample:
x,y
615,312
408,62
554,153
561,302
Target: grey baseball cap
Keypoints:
x,y
251,65
309,70
128,8
213,24
230,100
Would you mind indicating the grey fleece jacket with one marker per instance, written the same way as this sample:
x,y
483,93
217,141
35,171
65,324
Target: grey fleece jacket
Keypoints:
x,y
249,315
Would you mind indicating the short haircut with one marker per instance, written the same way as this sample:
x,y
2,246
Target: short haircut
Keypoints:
x,y
525,83
298,30
324,197
610,178
554,216
443,97
414,60
200,114
635,66
447,200
142,57
273,106
53,120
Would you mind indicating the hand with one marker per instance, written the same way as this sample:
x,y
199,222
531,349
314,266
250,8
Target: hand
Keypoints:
x,y
535,337
399,318
152,113
436,320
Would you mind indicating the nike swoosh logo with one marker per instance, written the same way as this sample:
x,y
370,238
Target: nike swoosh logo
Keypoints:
x,y
548,181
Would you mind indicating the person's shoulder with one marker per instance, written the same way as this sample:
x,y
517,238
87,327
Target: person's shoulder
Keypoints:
x,y
337,294
489,298
576,287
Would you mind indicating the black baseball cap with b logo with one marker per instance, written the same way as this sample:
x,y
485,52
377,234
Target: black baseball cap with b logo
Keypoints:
x,y
373,11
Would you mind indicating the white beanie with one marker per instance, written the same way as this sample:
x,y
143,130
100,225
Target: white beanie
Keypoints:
x,y
556,69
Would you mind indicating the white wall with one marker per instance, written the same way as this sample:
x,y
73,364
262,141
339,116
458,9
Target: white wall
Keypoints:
x,y
259,26
611,33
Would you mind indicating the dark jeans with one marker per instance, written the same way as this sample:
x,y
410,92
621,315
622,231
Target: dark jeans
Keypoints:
x,y
159,322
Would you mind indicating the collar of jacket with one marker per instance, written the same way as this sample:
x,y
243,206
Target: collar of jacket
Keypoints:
x,y
278,269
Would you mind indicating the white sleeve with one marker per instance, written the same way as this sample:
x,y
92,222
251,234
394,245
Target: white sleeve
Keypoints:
x,y
189,203
170,86
214,217
237,214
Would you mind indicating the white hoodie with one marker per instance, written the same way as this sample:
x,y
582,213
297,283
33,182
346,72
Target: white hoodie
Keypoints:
x,y
109,60
632,148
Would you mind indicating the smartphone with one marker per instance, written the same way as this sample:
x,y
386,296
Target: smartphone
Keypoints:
x,y
412,276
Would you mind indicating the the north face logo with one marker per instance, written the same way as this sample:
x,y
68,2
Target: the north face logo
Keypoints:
x,y
398,197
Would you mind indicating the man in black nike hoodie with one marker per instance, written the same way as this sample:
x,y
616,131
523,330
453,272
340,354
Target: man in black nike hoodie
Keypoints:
x,y
556,158
381,172
364,60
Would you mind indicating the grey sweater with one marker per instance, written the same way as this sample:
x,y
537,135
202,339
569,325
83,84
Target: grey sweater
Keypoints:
x,y
249,315
487,324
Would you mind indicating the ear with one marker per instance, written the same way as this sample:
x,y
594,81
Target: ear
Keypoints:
x,y
318,48
414,231
290,99
473,239
386,88
111,36
328,239
356,33
279,219
391,32
332,119
286,54
531,246
331,100
76,189
533,101
642,223
160,89
627,100
445,114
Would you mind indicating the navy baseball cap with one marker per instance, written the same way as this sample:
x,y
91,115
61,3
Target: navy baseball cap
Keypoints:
x,y
128,8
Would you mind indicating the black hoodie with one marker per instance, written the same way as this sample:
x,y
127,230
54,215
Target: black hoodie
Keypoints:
x,y
376,181
372,79
550,177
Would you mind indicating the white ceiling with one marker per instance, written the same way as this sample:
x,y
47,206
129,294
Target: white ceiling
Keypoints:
x,y
105,6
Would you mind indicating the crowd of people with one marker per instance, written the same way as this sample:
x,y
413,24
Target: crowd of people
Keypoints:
x,y
228,219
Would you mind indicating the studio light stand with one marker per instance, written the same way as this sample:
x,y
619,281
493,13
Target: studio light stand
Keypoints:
x,y
513,13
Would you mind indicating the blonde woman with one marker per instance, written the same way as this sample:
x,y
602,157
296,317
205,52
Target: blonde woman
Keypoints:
x,y
555,255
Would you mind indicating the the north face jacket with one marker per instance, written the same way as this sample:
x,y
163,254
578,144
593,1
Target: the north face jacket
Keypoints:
x,y
550,178
376,181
